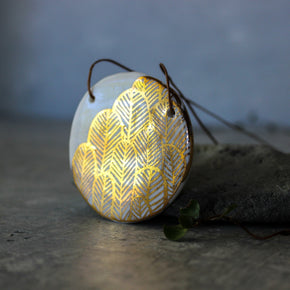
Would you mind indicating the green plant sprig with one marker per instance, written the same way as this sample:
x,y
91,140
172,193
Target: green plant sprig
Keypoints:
x,y
189,217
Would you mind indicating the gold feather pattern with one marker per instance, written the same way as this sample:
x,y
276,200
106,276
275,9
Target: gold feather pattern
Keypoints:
x,y
135,157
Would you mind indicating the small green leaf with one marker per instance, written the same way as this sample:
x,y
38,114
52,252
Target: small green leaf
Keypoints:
x,y
192,210
174,233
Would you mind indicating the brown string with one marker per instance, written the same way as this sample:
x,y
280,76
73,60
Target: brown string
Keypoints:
x,y
232,126
255,236
170,91
190,103
91,70
170,111
200,123
220,119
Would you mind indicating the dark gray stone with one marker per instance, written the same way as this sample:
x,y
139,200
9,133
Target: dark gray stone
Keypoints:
x,y
256,178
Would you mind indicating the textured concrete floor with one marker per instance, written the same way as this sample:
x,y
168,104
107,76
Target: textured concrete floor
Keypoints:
x,y
51,239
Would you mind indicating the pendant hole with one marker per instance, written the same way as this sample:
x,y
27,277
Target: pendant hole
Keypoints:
x,y
91,100
170,113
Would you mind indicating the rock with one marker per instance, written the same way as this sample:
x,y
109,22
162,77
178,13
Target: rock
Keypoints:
x,y
255,178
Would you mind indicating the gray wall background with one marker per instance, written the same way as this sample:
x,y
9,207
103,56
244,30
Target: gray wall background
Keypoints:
x,y
231,56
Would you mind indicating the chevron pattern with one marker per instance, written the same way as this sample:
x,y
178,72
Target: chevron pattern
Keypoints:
x,y
135,157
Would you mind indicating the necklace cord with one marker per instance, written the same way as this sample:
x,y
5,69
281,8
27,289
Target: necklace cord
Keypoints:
x,y
190,103
91,71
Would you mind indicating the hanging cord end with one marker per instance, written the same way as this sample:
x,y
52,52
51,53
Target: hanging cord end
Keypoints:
x,y
170,113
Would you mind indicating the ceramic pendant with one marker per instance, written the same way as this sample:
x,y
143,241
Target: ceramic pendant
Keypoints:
x,y
129,157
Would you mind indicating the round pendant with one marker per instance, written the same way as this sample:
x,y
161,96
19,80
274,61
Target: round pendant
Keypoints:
x,y
129,157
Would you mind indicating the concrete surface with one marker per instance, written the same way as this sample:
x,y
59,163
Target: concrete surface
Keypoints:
x,y
51,239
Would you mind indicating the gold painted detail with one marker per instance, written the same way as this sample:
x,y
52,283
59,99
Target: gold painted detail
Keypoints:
x,y
135,156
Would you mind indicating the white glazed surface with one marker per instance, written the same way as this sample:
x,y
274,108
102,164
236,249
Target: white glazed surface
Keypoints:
x,y
105,91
